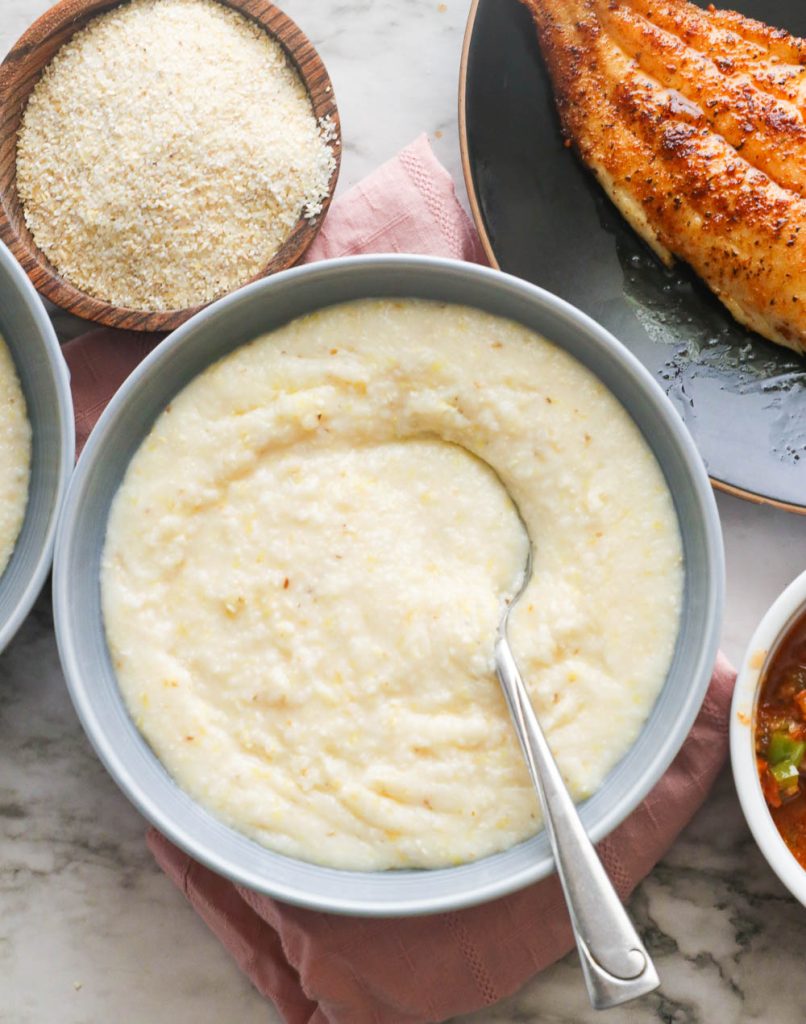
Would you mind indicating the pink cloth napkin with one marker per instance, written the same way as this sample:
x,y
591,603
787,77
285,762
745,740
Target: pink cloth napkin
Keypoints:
x,y
324,969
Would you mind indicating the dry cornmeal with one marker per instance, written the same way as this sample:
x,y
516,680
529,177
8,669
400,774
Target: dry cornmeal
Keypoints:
x,y
167,152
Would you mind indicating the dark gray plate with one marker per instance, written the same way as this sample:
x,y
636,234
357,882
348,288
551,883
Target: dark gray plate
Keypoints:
x,y
543,217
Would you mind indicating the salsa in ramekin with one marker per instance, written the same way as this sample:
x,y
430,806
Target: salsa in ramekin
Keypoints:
x,y
781,738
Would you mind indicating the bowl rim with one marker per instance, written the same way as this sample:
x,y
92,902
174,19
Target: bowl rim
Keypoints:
x,y
770,630
63,20
666,750
61,377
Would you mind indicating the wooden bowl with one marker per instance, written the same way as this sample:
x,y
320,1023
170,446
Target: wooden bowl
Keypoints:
x,y
19,73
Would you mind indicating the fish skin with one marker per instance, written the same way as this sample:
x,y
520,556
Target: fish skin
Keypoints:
x,y
693,122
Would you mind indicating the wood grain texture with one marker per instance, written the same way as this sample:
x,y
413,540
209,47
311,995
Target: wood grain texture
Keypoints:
x,y
19,73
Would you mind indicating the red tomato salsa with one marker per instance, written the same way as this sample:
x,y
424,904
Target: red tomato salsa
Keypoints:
x,y
781,738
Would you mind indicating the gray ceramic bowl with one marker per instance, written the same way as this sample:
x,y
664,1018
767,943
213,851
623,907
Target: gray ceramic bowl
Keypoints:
x,y
235,320
29,335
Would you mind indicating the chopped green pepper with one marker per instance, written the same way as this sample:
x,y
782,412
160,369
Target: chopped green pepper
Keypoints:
x,y
785,773
783,747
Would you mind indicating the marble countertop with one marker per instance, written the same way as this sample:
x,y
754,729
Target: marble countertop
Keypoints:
x,y
91,931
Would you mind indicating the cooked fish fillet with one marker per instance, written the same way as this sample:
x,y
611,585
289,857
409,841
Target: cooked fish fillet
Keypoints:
x,y
693,122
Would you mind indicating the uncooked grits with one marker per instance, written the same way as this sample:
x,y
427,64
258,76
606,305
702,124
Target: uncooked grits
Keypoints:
x,y
305,566
166,154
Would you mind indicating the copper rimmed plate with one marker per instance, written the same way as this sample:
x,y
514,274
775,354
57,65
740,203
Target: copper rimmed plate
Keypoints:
x,y
542,217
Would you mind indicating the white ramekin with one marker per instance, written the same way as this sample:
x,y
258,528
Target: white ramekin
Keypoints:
x,y
770,631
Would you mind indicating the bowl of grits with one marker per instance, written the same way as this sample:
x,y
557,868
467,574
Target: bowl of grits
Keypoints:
x,y
36,443
285,552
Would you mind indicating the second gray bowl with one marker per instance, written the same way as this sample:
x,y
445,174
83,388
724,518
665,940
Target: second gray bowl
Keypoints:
x,y
232,322
45,382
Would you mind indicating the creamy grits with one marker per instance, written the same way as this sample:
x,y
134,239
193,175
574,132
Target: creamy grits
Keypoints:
x,y
15,456
305,567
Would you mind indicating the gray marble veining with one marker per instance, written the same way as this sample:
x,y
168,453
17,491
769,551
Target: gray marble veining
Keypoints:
x,y
90,931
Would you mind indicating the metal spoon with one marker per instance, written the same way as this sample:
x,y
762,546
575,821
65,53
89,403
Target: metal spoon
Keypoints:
x,y
615,964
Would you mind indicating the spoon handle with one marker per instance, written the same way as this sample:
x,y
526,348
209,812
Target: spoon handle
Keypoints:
x,y
615,964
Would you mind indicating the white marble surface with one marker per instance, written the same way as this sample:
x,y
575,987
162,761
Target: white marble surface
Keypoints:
x,y
90,931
